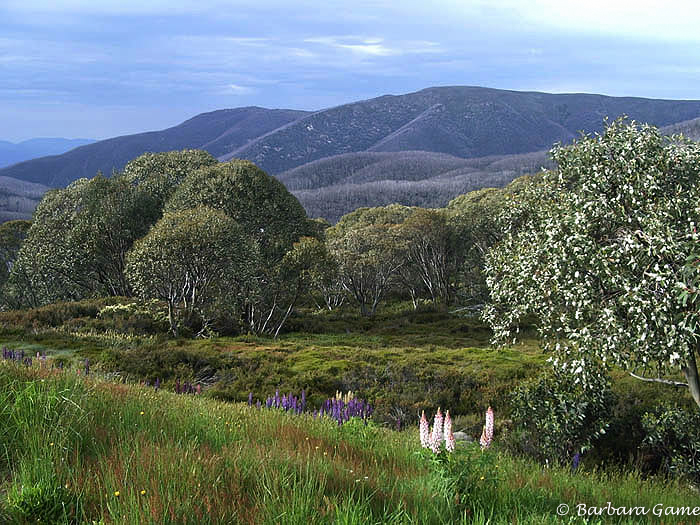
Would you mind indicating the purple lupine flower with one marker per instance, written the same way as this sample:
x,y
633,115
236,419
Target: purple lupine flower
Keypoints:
x,y
576,461
250,399
156,386
487,433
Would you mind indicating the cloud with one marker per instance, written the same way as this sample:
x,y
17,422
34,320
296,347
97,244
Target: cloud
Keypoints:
x,y
361,46
235,89
374,46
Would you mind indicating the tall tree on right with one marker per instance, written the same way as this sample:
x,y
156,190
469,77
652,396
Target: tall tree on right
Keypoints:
x,y
601,253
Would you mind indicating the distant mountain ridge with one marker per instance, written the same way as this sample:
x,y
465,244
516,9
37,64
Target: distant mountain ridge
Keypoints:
x,y
466,122
11,153
418,148
217,132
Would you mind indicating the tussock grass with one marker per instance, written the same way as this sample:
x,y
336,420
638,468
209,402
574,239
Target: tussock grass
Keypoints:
x,y
83,450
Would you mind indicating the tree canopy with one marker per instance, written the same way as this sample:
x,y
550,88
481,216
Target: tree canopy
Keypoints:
x,y
597,253
368,248
160,173
192,259
80,235
258,202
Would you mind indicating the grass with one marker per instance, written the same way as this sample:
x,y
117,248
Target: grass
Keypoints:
x,y
404,361
87,450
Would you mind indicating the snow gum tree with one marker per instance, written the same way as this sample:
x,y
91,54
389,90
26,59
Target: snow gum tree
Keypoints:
x,y
370,251
272,220
598,253
190,259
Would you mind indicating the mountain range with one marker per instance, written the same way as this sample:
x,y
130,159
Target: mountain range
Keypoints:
x,y
11,153
420,148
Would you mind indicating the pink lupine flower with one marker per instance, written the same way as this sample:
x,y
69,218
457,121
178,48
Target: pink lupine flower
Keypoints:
x,y
434,443
448,423
437,428
487,433
449,436
424,432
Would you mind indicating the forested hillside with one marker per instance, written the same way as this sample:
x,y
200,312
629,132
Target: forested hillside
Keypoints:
x,y
422,148
332,187
217,132
461,121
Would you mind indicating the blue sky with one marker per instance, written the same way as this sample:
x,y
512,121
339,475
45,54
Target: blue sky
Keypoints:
x,y
101,68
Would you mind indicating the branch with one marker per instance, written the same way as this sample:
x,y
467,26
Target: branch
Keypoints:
x,y
659,380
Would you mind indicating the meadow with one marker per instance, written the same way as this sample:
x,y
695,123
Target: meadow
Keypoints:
x,y
84,449
106,448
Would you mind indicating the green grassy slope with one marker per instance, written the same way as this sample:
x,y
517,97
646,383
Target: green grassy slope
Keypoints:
x,y
85,450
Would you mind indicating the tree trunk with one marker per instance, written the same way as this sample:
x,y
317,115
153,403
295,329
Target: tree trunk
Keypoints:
x,y
284,319
691,375
171,318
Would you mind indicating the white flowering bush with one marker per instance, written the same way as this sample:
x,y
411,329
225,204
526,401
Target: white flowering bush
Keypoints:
x,y
597,252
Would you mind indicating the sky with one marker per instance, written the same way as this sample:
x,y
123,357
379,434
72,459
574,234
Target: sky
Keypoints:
x,y
102,68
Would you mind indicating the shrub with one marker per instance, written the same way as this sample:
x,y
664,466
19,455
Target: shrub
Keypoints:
x,y
555,416
54,315
141,317
674,434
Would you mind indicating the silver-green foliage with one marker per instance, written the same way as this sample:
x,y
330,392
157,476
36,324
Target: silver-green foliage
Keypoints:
x,y
79,236
195,260
370,249
555,417
597,254
272,220
675,434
